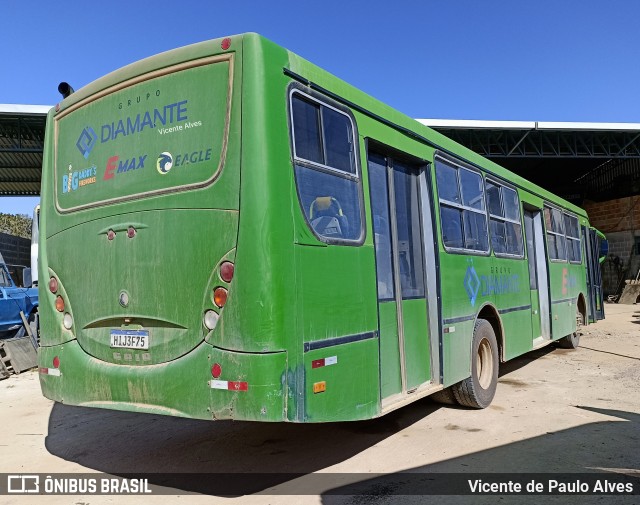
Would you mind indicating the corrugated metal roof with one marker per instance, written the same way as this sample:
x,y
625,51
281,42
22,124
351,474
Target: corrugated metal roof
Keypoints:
x,y
22,130
586,145
470,124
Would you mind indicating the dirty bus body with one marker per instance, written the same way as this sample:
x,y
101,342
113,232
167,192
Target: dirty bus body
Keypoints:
x,y
229,232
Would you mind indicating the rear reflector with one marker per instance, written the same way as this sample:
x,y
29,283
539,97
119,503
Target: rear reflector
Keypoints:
x,y
216,370
319,387
49,371
228,385
318,363
56,362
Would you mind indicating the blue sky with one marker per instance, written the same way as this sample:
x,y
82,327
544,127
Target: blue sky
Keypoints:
x,y
539,60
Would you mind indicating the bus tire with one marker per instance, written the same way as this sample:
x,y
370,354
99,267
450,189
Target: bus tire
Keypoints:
x,y
573,341
478,390
445,396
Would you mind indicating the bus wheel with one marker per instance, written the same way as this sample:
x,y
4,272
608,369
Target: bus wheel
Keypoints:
x,y
478,390
445,396
573,341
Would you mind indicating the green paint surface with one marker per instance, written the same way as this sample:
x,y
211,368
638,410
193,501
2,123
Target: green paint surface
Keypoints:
x,y
391,383
416,342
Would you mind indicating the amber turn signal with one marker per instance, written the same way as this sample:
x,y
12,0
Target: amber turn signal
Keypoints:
x,y
220,296
59,304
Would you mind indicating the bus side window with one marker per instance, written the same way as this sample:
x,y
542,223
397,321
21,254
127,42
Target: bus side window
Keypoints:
x,y
463,216
326,173
504,220
451,228
554,224
573,238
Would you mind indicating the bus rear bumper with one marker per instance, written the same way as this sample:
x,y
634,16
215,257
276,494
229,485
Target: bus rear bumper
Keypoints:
x,y
249,386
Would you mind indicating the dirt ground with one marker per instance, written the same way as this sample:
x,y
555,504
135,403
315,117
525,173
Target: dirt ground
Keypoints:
x,y
555,411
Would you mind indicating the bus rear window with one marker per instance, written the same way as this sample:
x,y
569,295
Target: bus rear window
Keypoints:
x,y
154,134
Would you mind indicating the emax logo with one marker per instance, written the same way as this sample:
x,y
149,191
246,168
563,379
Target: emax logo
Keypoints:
x,y
114,163
86,141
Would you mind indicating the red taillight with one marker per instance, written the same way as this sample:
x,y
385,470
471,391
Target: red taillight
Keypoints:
x,y
216,370
59,304
131,232
226,44
111,234
53,285
56,362
226,271
220,296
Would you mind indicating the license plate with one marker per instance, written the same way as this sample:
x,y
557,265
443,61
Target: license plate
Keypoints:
x,y
130,339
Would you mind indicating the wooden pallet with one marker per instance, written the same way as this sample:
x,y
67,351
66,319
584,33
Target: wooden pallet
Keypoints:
x,y
16,356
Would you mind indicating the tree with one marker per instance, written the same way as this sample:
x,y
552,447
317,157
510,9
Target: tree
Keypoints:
x,y
16,224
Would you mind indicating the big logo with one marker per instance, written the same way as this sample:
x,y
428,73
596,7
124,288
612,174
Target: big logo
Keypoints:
x,y
164,163
86,141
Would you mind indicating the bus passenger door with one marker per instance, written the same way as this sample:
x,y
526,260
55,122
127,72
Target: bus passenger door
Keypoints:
x,y
591,243
397,202
538,277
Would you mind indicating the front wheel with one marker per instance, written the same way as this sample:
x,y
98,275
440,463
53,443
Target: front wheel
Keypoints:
x,y
478,390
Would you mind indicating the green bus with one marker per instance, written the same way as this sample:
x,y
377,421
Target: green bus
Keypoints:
x,y
230,232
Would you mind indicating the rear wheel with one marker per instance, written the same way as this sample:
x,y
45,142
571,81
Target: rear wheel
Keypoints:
x,y
445,396
478,390
573,341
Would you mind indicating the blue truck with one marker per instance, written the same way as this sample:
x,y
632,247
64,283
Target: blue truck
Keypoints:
x,y
13,300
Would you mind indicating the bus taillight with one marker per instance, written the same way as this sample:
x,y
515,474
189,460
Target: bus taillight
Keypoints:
x,y
220,296
226,271
59,304
53,285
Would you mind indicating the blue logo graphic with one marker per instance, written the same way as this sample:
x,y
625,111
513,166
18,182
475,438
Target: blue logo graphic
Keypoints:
x,y
471,284
86,141
164,163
